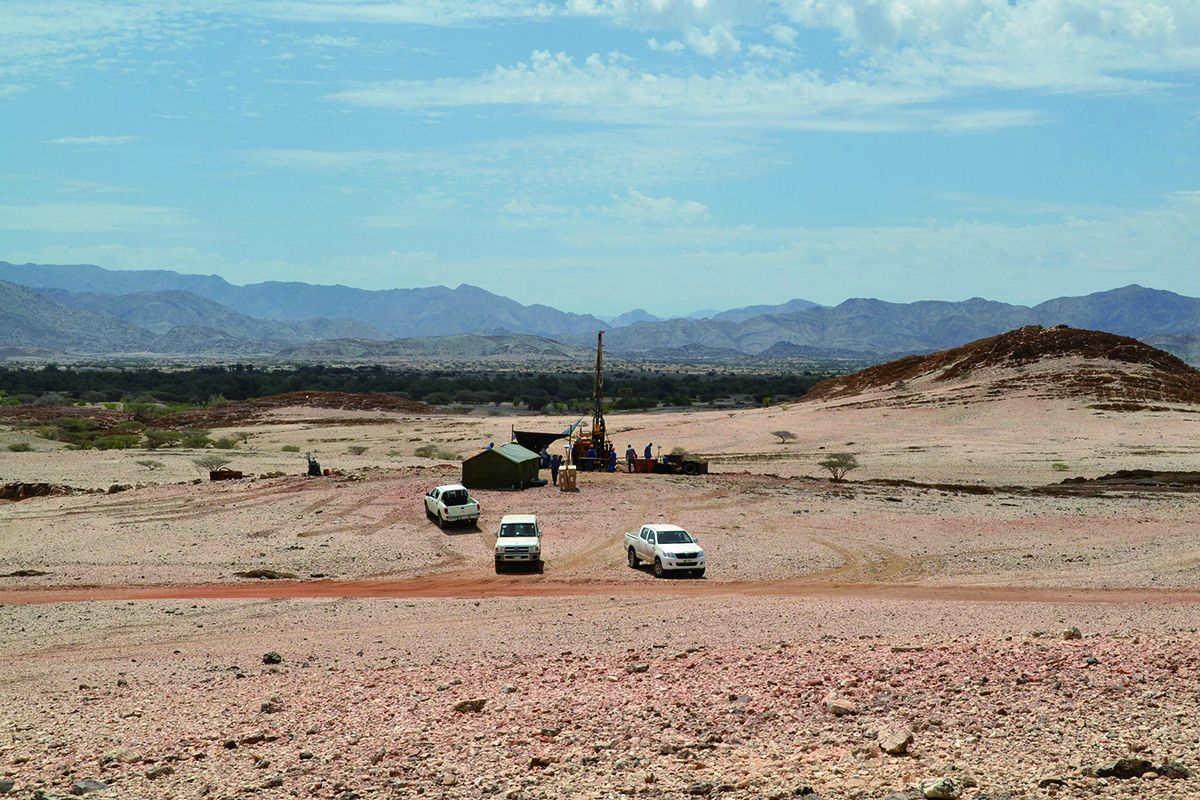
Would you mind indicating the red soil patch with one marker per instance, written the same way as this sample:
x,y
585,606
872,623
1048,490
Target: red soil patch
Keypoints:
x,y
1122,372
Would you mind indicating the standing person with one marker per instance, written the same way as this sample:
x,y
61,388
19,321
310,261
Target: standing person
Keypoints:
x,y
630,456
545,454
591,458
612,460
650,451
555,461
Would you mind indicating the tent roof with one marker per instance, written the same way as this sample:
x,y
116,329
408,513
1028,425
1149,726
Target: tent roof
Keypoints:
x,y
510,451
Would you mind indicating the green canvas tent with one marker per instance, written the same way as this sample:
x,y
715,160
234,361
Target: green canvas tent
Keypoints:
x,y
508,466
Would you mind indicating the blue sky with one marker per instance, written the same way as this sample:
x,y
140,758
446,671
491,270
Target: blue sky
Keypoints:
x,y
601,155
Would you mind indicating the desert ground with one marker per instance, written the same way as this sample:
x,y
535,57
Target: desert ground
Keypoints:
x,y
940,625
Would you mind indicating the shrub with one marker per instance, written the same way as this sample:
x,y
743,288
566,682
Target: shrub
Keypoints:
x,y
75,424
838,464
20,447
290,448
1059,466
679,451
196,442
356,450
118,442
435,452
210,463
51,432
157,437
150,464
225,443
242,436
784,436
131,426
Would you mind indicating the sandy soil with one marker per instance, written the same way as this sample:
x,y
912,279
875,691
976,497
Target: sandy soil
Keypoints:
x,y
936,612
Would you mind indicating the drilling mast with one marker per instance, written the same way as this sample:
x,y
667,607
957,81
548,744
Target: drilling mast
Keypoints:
x,y
599,434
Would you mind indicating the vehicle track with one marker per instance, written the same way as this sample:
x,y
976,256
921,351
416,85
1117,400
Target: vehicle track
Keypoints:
x,y
462,584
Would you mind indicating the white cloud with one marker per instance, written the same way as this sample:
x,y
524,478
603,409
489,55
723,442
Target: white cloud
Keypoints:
x,y
640,209
784,34
673,46
610,160
89,217
94,140
611,91
325,40
718,42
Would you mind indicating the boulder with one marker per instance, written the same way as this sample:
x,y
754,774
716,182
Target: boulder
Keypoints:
x,y
838,706
895,741
941,789
472,706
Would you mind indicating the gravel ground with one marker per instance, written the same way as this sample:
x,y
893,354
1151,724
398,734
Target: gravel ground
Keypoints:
x,y
630,687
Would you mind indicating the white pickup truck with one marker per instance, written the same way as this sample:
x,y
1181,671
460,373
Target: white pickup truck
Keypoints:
x,y
667,547
519,542
451,504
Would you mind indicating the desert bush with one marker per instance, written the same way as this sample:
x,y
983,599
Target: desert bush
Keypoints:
x,y
242,436
1059,466
75,424
210,463
838,464
116,442
225,443
357,450
150,464
679,451
20,447
435,452
157,437
290,448
784,436
51,432
131,426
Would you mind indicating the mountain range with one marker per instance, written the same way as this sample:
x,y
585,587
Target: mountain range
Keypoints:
x,y
87,309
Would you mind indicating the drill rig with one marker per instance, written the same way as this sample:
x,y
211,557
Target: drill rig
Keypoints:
x,y
598,438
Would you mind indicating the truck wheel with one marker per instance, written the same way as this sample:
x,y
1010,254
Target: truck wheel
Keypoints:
x,y
697,573
659,572
499,568
540,567
691,468
633,559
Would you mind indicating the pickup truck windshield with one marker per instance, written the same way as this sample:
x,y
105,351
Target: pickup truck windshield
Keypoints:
x,y
458,497
518,529
674,537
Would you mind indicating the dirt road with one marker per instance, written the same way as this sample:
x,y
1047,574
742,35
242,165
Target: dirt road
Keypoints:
x,y
469,586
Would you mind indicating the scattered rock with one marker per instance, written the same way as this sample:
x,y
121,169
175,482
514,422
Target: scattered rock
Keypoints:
x,y
265,574
305,755
16,492
255,738
1072,633
25,573
473,706
272,658
272,705
378,755
941,789
541,761
6,786
122,755
803,790
1051,780
87,785
699,788
262,762
838,706
1124,768
637,669
508,688
231,744
895,741
1173,770
1091,661
273,782
160,771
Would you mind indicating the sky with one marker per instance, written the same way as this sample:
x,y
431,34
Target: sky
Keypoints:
x,y
604,155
